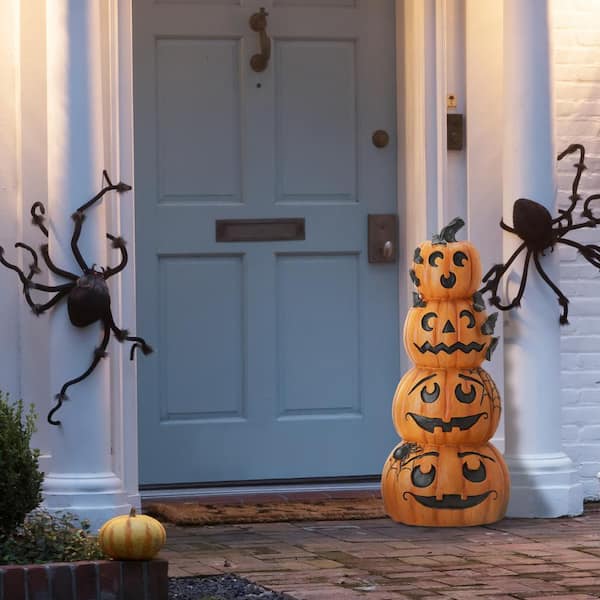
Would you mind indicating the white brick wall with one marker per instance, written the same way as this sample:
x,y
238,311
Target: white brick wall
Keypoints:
x,y
576,31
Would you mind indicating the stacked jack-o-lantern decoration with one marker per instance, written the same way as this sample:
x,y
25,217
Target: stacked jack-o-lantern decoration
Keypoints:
x,y
446,408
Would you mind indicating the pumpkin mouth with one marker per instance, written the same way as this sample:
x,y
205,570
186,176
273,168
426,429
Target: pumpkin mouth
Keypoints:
x,y
452,501
441,347
448,282
429,424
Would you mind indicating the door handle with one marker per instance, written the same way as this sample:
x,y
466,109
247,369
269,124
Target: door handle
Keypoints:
x,y
258,23
383,238
388,249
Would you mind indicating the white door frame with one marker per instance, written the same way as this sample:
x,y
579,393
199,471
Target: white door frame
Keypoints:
x,y
421,174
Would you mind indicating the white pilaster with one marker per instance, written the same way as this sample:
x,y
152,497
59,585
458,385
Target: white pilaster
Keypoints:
x,y
544,481
81,478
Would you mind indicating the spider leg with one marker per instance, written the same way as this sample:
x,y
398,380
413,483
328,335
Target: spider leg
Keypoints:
x,y
590,252
53,267
516,301
123,335
562,299
27,283
119,187
48,288
574,197
38,219
25,279
587,211
506,227
78,217
117,242
38,309
493,276
33,267
99,354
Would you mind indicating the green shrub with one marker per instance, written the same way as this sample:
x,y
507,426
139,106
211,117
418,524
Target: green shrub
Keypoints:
x,y
47,537
20,477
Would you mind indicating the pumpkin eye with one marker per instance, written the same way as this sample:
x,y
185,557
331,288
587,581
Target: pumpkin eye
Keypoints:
x,y
421,479
470,318
425,321
434,256
431,396
459,258
475,475
462,397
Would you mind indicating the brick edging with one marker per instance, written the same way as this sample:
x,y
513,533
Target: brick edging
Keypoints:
x,y
86,580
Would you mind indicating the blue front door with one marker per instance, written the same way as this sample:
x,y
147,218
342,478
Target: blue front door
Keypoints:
x,y
274,359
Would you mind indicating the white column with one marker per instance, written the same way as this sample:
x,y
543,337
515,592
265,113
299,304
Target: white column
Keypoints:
x,y
544,481
82,478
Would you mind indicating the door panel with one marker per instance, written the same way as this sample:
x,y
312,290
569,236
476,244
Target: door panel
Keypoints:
x,y
318,334
316,109
192,116
202,326
274,360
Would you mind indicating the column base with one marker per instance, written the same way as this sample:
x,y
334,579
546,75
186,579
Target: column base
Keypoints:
x,y
543,486
96,497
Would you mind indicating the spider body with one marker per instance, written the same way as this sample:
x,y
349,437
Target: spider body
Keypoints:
x,y
89,300
539,231
87,294
532,222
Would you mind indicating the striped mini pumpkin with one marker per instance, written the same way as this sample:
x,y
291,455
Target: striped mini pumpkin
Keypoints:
x,y
132,537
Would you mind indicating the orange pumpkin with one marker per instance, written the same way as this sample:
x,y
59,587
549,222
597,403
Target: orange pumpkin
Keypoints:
x,y
132,537
449,333
444,268
445,486
446,406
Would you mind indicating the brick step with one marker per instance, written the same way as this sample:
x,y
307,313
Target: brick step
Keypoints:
x,y
86,580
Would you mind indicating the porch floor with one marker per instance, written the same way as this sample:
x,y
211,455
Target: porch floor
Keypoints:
x,y
378,559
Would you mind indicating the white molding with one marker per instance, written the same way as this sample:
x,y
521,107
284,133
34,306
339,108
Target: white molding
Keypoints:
x,y
440,111
483,150
422,159
545,482
122,220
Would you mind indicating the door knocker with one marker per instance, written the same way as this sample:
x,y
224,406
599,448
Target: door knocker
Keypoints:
x,y
258,23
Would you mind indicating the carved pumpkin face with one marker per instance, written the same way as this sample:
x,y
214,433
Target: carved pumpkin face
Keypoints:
x,y
446,406
443,271
445,486
449,333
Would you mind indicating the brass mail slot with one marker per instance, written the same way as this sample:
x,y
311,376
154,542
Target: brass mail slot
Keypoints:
x,y
259,230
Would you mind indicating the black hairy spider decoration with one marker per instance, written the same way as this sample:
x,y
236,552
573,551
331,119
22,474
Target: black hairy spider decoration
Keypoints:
x,y
88,297
534,224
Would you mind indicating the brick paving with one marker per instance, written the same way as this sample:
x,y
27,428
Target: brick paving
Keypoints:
x,y
377,559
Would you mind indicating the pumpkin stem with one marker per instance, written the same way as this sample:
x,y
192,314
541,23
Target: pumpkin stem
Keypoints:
x,y
448,233
132,512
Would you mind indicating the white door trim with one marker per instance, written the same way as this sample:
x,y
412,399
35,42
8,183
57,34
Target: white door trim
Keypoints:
x,y
121,218
421,176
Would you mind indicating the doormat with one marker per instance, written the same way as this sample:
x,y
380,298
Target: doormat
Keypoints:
x,y
198,513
